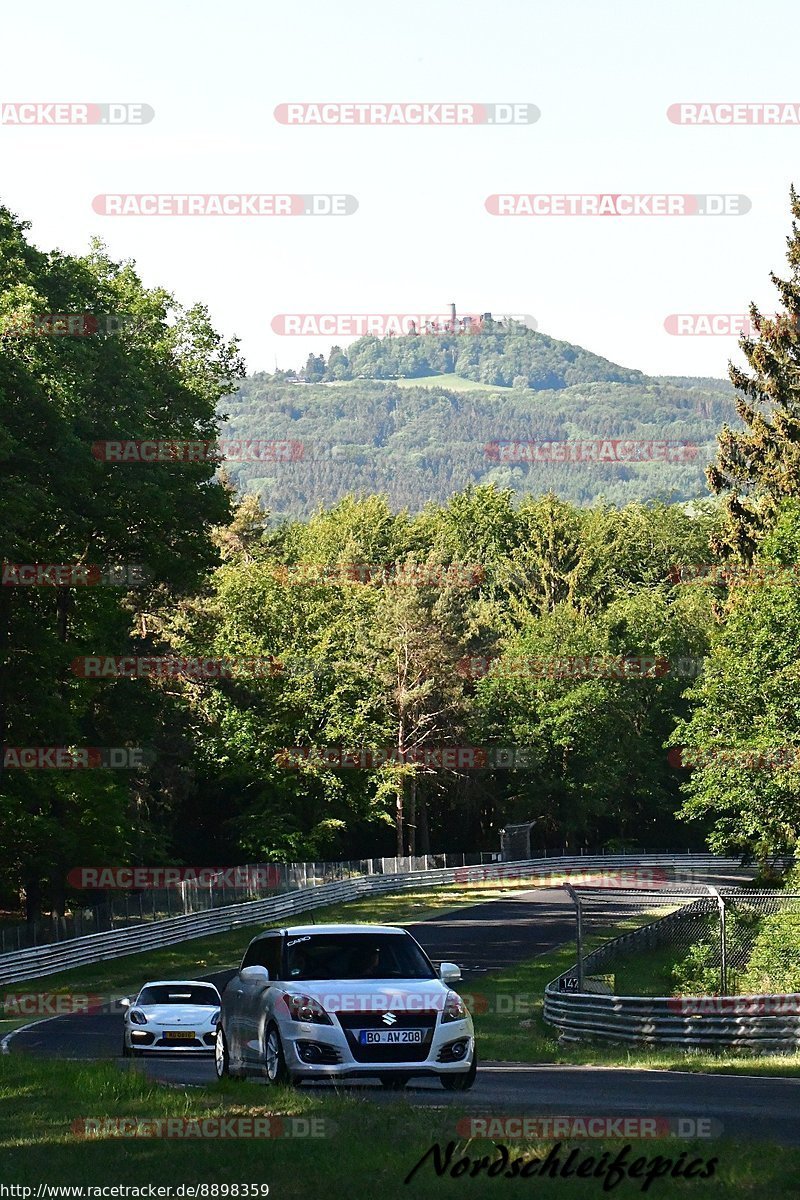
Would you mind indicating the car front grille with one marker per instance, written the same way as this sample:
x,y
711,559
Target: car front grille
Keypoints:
x,y
178,1044
351,1022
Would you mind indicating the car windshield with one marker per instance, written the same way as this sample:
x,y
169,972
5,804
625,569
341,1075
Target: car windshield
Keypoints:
x,y
179,993
355,956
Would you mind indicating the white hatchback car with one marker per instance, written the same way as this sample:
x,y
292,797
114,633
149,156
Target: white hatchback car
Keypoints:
x,y
169,1015
340,1001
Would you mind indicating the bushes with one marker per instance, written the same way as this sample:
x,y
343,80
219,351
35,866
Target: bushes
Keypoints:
x,y
775,961
698,972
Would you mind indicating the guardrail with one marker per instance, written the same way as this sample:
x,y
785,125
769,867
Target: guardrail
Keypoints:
x,y
98,947
768,1022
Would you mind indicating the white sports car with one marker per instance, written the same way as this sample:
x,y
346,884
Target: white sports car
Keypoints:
x,y
169,1015
338,1001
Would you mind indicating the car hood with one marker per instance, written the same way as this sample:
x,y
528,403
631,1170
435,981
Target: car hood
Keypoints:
x,y
374,995
178,1014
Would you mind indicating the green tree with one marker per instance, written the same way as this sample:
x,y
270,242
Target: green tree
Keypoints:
x,y
758,467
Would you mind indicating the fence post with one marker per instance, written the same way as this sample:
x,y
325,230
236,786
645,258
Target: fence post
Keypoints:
x,y
723,970
723,949
578,931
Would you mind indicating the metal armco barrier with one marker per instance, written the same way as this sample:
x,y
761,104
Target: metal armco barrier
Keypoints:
x,y
48,960
767,1022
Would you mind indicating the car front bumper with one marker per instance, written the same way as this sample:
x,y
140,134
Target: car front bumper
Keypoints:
x,y
324,1051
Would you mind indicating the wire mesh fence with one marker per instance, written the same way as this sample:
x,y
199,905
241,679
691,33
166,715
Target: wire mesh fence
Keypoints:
x,y
202,890
724,941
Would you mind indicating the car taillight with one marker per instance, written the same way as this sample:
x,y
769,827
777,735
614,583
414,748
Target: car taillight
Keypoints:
x,y
306,1008
454,1008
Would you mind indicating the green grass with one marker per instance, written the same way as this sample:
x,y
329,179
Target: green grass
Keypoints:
x,y
369,1149
648,973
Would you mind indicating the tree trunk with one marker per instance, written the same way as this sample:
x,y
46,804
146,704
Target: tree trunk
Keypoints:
x,y
411,815
33,897
398,820
424,840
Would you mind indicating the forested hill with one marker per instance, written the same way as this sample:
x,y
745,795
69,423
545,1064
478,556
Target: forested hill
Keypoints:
x,y
501,355
420,417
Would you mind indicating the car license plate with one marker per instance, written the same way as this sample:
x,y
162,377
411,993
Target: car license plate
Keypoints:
x,y
180,1035
394,1037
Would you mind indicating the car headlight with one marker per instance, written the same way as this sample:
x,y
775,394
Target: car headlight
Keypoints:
x,y
138,1017
454,1008
215,1019
306,1008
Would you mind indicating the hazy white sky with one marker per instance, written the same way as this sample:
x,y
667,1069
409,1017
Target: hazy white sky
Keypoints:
x,y
603,75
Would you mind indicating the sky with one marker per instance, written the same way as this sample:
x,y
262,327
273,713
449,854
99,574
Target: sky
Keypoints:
x,y
602,75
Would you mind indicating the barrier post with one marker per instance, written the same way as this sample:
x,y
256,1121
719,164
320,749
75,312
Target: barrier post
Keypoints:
x,y
576,900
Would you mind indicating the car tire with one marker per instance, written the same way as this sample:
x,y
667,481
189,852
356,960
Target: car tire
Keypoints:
x,y
126,1050
222,1061
394,1083
463,1082
275,1061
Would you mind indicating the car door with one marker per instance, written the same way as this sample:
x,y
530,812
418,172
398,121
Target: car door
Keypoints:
x,y
251,997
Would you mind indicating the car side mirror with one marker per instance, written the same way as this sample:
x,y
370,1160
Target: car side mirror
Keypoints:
x,y
254,974
124,1002
449,972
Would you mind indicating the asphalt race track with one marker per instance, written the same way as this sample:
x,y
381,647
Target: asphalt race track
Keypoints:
x,y
481,938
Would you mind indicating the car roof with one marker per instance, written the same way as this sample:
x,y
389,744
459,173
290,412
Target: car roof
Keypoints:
x,y
178,983
303,930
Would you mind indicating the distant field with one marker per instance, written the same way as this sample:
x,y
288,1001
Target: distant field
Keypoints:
x,y
454,383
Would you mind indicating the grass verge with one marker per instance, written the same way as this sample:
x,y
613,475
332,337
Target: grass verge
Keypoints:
x,y
369,1149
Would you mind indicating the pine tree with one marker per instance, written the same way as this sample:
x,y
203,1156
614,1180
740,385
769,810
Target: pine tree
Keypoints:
x,y
757,468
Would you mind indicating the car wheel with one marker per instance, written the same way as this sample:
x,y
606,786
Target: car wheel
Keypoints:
x,y
126,1050
222,1062
461,1083
277,1071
